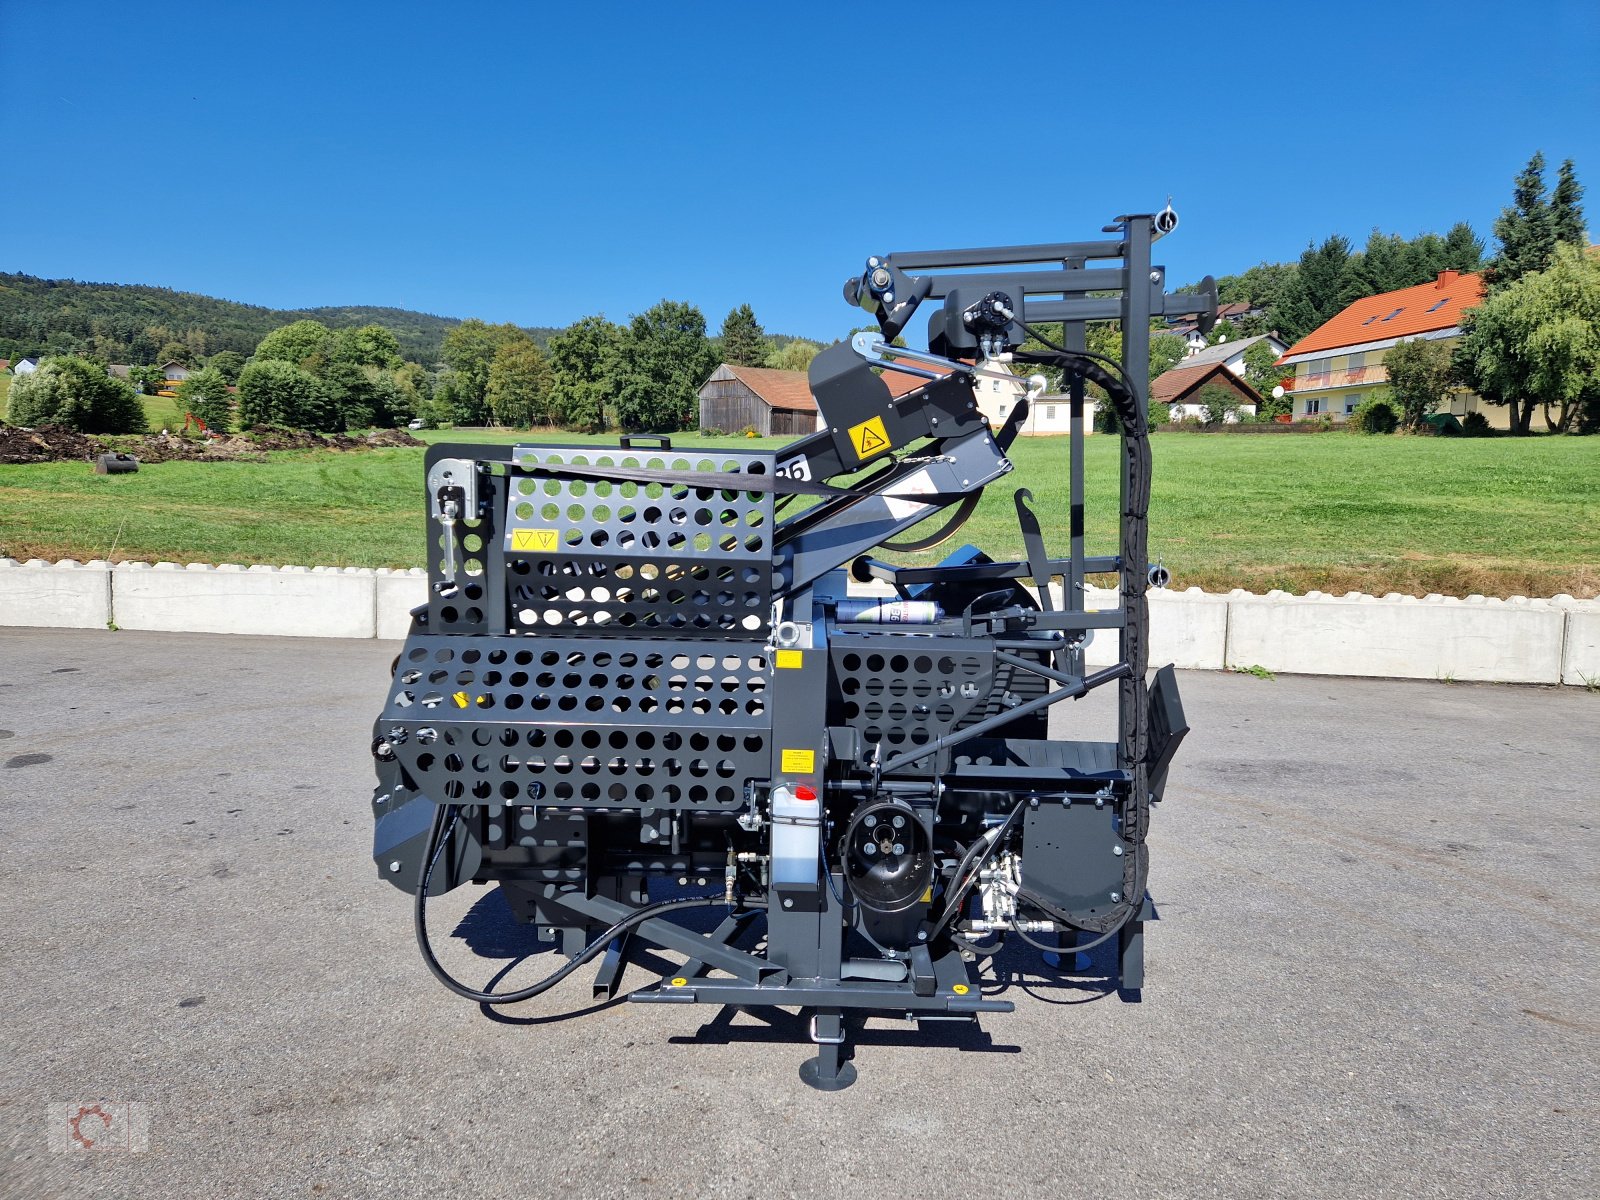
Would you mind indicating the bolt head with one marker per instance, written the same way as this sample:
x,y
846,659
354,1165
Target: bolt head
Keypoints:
x,y
394,866
1116,897
1155,276
788,903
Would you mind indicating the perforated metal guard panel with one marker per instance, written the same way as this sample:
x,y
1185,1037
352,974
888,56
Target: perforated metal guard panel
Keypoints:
x,y
903,696
632,559
586,722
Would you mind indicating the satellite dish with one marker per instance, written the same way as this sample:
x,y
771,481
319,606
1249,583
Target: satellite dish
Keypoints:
x,y
1277,392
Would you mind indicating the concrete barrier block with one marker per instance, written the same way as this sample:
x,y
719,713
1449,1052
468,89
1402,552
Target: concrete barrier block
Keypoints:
x,y
1515,641
1580,659
1188,629
63,595
398,592
287,601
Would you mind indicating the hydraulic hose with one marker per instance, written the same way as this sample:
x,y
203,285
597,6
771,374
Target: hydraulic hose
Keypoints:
x,y
446,816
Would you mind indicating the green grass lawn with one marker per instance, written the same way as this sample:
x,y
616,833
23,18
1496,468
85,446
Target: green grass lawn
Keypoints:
x,y
1334,511
161,412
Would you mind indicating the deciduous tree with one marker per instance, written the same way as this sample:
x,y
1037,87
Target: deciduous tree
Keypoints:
x,y
1420,378
78,394
229,362
584,360
1538,341
296,343
469,349
1261,370
518,392
664,358
368,346
1217,403
276,392
795,355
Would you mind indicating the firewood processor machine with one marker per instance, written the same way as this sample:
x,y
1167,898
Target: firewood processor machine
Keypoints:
x,y
642,665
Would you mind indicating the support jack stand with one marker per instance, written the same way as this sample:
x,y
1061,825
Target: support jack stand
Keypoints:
x,y
831,1070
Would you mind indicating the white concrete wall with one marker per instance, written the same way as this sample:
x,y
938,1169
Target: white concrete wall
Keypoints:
x,y
63,595
288,601
1505,641
1580,658
398,593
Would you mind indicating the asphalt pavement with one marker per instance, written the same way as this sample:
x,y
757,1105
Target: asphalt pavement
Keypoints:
x,y
1374,972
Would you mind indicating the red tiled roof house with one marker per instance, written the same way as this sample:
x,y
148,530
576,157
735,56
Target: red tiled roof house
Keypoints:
x,y
1340,363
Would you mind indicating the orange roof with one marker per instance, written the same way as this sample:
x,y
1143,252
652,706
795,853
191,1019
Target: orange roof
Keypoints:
x,y
1389,316
789,390
780,389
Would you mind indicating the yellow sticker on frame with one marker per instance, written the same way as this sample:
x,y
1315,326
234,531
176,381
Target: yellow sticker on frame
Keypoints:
x,y
869,437
541,541
790,660
798,762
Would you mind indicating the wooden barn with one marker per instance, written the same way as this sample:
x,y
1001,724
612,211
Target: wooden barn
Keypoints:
x,y
774,403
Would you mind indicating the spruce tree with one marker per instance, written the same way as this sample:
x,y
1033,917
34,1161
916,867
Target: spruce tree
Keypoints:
x,y
1525,230
1463,249
1566,214
744,344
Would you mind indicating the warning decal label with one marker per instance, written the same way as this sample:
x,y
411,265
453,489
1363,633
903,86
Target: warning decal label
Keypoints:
x,y
545,541
798,762
869,437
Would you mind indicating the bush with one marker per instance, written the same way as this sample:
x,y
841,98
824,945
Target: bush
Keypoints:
x,y
78,394
1217,403
713,431
273,392
1475,424
1373,415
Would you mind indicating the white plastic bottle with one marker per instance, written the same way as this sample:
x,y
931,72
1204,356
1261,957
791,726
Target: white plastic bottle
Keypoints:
x,y
796,830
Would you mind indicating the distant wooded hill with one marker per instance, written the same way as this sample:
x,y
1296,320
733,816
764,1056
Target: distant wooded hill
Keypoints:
x,y
131,323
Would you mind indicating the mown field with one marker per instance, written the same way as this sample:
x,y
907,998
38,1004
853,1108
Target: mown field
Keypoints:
x,y
1336,512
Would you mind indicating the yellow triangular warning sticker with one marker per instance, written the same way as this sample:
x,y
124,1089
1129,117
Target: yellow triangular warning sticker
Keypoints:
x,y
545,540
869,437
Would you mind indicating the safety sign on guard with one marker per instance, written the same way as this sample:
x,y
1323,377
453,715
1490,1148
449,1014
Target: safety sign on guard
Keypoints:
x,y
869,437
540,540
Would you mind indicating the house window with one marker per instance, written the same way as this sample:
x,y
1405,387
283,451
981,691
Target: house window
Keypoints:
x,y
1313,405
1350,402
1357,361
1049,412
1002,410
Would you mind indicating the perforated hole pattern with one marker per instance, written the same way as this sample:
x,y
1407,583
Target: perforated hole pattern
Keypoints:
x,y
563,721
639,558
902,697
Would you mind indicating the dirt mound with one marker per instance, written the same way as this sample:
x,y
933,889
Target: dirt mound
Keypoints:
x,y
54,443
392,437
166,447
48,443
270,437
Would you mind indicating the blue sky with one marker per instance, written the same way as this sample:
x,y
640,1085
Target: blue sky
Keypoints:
x,y
534,162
